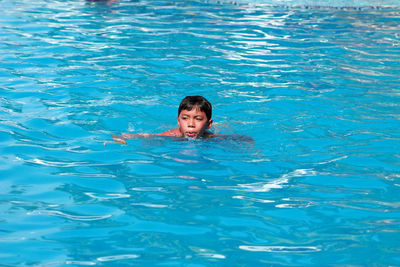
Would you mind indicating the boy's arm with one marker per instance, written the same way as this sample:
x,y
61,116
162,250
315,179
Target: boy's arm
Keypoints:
x,y
130,136
122,138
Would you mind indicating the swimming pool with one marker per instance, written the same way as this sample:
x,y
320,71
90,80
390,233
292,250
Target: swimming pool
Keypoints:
x,y
316,87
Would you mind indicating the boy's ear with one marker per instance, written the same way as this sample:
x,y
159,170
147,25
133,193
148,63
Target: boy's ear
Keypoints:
x,y
177,119
210,121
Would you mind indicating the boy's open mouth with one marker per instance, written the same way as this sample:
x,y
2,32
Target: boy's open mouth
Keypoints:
x,y
190,134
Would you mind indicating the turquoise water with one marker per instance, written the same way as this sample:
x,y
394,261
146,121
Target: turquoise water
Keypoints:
x,y
316,87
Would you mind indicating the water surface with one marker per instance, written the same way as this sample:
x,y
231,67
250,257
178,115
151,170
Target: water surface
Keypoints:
x,y
316,87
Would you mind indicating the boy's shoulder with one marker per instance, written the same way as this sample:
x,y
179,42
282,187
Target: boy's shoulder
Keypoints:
x,y
235,138
173,132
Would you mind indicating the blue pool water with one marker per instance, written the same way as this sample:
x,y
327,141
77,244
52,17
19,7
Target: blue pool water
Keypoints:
x,y
316,86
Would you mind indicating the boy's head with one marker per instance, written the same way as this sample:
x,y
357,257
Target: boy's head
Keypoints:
x,y
200,102
194,116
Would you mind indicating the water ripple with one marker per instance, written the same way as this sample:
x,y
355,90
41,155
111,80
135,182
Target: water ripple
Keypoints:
x,y
280,249
107,196
150,205
70,216
254,199
118,257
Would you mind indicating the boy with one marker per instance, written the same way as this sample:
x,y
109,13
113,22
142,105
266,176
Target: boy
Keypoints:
x,y
194,120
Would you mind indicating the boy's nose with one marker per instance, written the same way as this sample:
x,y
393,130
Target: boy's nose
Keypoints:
x,y
191,123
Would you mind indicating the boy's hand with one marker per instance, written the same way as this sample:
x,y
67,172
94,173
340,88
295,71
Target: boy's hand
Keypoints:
x,y
119,139
122,138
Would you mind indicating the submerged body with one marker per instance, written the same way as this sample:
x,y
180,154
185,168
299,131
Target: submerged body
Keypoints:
x,y
194,121
175,133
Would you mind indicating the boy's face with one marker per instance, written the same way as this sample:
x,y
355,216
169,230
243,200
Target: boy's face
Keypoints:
x,y
193,123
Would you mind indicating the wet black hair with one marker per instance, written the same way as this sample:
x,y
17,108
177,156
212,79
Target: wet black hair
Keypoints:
x,y
190,101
